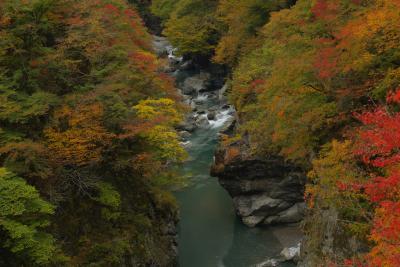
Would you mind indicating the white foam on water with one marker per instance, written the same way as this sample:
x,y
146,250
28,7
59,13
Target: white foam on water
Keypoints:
x,y
221,118
171,53
201,97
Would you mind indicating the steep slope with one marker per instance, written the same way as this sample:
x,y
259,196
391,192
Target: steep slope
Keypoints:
x,y
87,137
314,85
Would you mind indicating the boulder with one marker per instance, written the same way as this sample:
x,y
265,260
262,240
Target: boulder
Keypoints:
x,y
189,125
161,45
265,191
211,115
184,134
291,254
290,215
196,83
270,263
226,106
259,204
202,121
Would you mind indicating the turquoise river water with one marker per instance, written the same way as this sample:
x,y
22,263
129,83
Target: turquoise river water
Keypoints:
x,y
210,234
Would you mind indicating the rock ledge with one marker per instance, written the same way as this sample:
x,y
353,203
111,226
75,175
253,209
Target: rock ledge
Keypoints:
x,y
265,191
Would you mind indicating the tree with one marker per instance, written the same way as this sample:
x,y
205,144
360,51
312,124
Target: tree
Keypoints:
x,y
163,8
378,147
241,21
162,137
70,72
192,27
23,217
78,136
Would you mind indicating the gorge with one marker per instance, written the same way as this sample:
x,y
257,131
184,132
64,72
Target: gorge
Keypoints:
x,y
200,133
210,233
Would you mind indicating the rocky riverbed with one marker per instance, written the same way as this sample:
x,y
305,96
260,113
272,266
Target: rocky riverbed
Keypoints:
x,y
210,232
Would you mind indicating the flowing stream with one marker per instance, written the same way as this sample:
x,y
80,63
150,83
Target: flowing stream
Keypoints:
x,y
209,233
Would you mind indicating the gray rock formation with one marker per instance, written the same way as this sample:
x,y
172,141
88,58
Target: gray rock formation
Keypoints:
x,y
184,135
288,254
265,191
202,121
291,253
161,45
211,115
196,84
188,125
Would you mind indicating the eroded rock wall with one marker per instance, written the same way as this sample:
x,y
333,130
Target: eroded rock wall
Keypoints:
x,y
265,191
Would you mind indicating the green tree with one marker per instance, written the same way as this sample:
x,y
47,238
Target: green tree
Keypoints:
x,y
23,217
163,8
192,27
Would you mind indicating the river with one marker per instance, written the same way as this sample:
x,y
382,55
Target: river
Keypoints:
x,y
209,232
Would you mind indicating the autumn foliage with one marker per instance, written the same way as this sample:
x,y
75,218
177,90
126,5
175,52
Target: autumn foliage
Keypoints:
x,y
87,121
378,146
317,84
76,78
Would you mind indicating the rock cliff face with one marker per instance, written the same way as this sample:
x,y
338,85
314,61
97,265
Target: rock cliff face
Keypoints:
x,y
265,191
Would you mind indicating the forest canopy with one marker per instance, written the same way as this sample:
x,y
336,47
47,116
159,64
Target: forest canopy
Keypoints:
x,y
316,83
87,121
83,171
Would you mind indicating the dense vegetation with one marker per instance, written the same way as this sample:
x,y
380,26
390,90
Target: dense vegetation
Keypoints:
x,y
87,139
317,83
